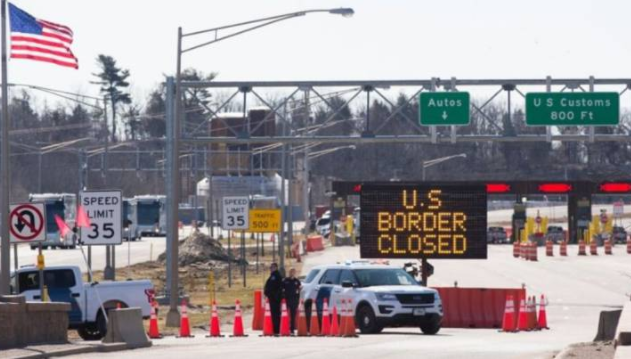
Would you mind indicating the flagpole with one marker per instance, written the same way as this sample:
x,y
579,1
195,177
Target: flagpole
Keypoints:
x,y
5,253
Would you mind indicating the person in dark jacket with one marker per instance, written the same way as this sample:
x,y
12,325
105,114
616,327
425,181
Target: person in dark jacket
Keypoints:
x,y
291,292
274,293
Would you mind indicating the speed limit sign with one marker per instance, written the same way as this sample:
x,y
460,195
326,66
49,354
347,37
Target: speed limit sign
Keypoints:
x,y
235,213
105,210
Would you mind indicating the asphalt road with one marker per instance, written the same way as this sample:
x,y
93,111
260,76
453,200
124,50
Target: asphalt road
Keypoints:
x,y
149,248
134,252
578,288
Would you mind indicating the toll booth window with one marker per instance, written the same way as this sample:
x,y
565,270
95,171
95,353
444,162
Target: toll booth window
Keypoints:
x,y
331,276
311,276
348,276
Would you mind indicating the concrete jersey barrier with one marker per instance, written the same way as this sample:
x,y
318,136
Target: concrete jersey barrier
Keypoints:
x,y
623,332
126,326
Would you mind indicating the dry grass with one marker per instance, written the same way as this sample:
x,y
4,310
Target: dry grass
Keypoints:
x,y
195,283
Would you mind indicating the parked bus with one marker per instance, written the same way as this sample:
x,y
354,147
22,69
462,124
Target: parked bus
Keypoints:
x,y
148,216
65,206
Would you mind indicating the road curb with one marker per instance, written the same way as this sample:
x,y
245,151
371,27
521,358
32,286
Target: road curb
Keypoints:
x,y
86,349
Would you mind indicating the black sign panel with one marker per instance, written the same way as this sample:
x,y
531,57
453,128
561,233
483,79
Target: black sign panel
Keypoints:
x,y
423,220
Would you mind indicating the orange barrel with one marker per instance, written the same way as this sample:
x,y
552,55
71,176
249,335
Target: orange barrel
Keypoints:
x,y
549,249
581,248
563,249
517,251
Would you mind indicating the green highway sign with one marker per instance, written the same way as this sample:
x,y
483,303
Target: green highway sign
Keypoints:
x,y
444,108
572,109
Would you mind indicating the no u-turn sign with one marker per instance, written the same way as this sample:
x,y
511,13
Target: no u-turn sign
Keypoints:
x,y
27,223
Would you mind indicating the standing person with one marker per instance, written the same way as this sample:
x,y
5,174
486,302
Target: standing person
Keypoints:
x,y
274,293
291,291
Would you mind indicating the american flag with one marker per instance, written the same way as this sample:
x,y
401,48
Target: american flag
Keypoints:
x,y
40,40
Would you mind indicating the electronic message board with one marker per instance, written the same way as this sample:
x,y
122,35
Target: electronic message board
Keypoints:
x,y
423,220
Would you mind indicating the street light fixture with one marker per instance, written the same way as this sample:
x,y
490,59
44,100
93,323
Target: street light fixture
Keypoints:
x,y
436,161
173,316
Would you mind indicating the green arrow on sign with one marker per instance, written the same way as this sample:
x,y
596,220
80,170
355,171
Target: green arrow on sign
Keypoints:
x,y
444,108
572,109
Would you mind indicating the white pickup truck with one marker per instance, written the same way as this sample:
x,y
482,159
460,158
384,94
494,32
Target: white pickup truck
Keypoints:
x,y
65,284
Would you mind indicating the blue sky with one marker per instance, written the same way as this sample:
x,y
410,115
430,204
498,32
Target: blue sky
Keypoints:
x,y
394,39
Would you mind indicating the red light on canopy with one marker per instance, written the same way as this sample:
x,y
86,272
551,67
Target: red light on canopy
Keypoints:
x,y
357,188
616,187
497,188
555,187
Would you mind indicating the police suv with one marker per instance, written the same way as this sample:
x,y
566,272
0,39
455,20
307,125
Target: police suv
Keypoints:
x,y
382,296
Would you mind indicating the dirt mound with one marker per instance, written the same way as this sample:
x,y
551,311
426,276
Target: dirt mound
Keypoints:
x,y
199,248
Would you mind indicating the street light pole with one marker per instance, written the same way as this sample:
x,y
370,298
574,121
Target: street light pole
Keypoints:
x,y
174,185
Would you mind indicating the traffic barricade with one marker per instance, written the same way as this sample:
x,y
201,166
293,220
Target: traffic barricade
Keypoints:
x,y
476,307
259,309
315,243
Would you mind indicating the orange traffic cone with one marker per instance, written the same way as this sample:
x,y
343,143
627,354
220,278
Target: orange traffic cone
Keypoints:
x,y
350,330
314,326
508,323
154,331
522,322
285,331
185,325
301,321
532,313
542,323
326,320
343,319
268,327
629,245
335,326
237,329
215,331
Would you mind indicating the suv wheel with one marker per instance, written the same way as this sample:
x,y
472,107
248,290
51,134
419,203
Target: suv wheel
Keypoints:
x,y
366,321
430,327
